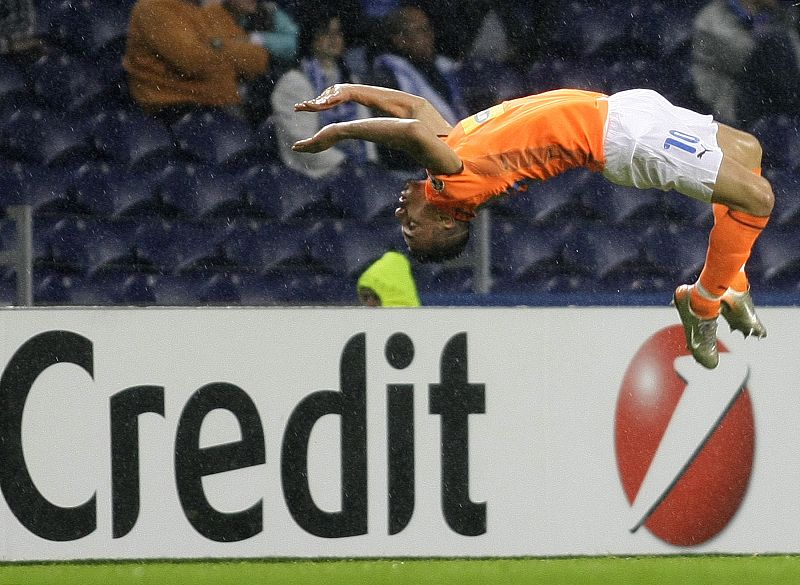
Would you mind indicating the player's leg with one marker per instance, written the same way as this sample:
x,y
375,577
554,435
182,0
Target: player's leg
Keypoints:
x,y
745,201
745,149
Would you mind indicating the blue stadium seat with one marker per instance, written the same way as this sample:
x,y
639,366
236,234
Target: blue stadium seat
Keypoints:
x,y
110,249
780,139
786,185
368,192
676,251
71,84
21,133
167,244
443,278
139,194
52,288
555,201
218,139
196,289
262,248
285,194
128,137
297,286
524,251
13,177
619,205
40,136
506,83
776,258
54,191
609,255
220,194
59,244
12,82
346,248
682,209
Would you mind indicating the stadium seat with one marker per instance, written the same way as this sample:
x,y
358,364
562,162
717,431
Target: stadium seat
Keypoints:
x,y
776,258
682,209
346,248
165,244
21,133
218,139
196,289
443,278
507,83
523,251
780,139
71,84
110,249
220,194
139,194
617,205
52,288
555,201
297,286
608,255
13,178
220,289
285,194
261,248
676,251
54,192
40,136
59,244
786,185
368,192
12,82
129,138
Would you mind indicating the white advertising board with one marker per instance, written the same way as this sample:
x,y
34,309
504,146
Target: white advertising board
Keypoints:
x,y
350,432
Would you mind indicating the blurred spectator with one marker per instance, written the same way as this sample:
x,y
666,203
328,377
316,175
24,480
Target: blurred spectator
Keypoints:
x,y
388,282
410,63
18,41
322,46
504,31
746,59
183,57
269,25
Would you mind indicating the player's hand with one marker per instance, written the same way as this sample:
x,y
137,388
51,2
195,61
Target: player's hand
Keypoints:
x,y
322,140
330,98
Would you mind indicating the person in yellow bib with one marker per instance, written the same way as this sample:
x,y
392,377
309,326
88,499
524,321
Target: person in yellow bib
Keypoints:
x,y
635,138
388,282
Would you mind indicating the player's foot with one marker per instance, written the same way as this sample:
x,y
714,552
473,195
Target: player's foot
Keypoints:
x,y
701,334
740,313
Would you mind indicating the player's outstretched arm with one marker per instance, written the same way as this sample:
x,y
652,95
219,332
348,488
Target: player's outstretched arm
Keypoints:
x,y
411,136
391,101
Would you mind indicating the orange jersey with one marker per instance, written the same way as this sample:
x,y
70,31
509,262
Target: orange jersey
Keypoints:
x,y
535,137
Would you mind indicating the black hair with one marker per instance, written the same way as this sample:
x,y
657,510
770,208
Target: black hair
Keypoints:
x,y
311,23
449,248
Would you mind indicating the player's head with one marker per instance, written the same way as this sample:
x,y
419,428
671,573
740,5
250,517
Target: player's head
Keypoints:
x,y
430,234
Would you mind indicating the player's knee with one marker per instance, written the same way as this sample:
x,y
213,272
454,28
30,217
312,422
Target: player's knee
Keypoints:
x,y
750,148
762,198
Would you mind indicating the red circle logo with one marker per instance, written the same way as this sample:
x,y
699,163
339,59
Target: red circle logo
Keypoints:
x,y
684,440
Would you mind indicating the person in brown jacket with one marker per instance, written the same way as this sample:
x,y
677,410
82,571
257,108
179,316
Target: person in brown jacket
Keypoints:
x,y
182,56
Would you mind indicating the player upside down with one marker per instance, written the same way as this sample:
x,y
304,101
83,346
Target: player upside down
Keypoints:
x,y
634,138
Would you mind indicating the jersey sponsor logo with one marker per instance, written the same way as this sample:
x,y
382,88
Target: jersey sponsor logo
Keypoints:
x,y
471,123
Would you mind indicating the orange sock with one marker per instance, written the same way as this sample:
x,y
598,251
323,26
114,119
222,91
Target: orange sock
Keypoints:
x,y
739,282
729,245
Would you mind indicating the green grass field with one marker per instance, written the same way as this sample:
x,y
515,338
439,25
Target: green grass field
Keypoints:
x,y
688,570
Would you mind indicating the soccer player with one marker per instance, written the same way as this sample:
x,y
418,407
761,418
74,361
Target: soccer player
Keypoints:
x,y
634,138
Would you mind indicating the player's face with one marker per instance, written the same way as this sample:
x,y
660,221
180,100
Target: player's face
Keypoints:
x,y
420,222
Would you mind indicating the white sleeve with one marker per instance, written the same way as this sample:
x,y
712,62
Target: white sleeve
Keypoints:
x,y
291,126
